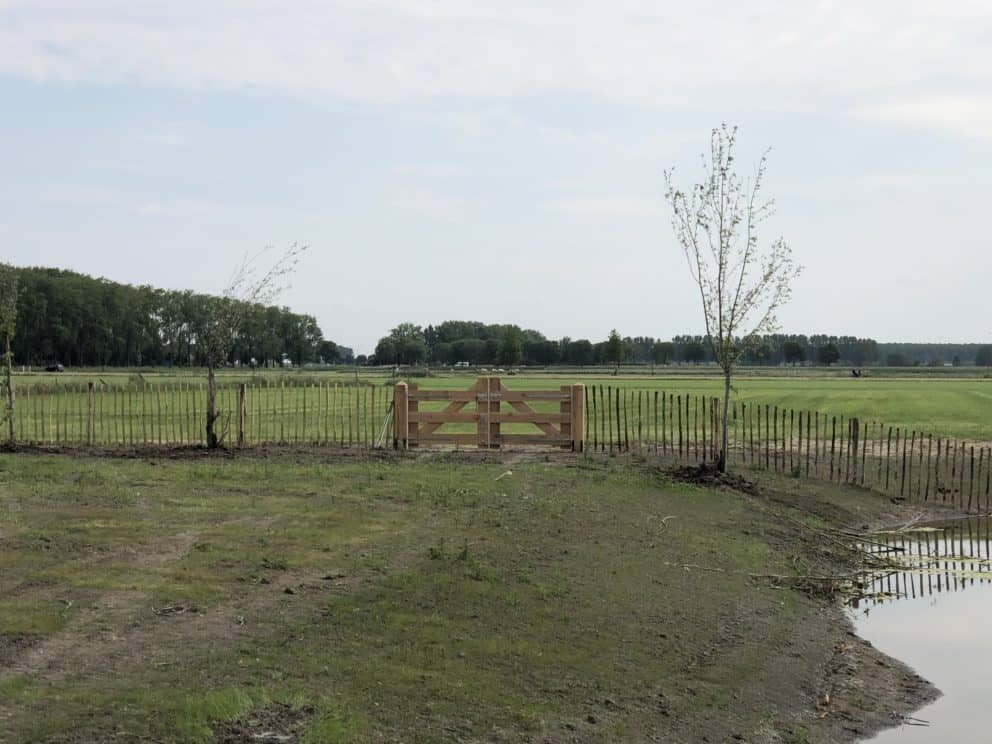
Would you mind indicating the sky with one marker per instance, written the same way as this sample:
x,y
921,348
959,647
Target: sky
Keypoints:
x,y
503,162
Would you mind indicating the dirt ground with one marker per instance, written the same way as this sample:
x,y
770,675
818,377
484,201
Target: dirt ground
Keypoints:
x,y
299,595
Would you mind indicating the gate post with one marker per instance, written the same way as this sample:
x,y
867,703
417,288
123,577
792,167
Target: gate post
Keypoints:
x,y
401,431
578,423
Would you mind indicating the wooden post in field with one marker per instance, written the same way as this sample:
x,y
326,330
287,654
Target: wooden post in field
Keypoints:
x,y
588,418
626,420
898,440
792,436
981,461
816,446
606,398
775,439
493,406
988,466
89,414
241,415
656,420
912,453
919,472
864,451
704,428
750,430
971,480
616,402
852,460
604,406
768,456
951,450
578,419
716,436
638,433
833,444
335,427
594,419
666,428
988,479
888,460
400,412
938,488
695,424
671,421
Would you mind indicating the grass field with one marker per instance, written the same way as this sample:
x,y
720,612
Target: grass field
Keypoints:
x,y
415,599
959,407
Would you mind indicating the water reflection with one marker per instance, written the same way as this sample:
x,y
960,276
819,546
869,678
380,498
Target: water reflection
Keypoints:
x,y
930,560
933,611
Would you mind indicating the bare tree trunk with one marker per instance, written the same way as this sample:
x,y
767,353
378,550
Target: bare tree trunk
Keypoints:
x,y
8,372
724,440
212,440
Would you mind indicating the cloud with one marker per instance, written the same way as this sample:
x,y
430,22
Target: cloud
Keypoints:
x,y
426,203
969,116
167,137
610,206
893,181
759,54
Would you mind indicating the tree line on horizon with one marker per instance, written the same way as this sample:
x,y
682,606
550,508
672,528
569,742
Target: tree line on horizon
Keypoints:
x,y
479,344
68,317
74,319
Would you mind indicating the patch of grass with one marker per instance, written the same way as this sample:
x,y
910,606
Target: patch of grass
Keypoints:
x,y
33,617
195,715
333,726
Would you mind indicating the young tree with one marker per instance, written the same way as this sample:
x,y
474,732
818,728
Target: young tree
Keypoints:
x,y
8,322
614,350
741,284
225,318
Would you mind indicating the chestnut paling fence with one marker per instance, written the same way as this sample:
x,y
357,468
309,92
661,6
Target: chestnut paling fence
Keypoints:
x,y
175,414
900,462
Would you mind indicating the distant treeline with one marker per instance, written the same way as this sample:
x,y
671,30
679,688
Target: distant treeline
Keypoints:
x,y
77,320
474,343
67,317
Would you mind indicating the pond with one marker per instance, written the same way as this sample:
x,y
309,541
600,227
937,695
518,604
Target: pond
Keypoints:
x,y
935,614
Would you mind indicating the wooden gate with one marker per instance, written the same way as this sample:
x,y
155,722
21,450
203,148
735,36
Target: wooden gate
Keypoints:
x,y
564,427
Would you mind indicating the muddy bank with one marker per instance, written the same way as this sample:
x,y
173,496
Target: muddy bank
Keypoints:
x,y
861,690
